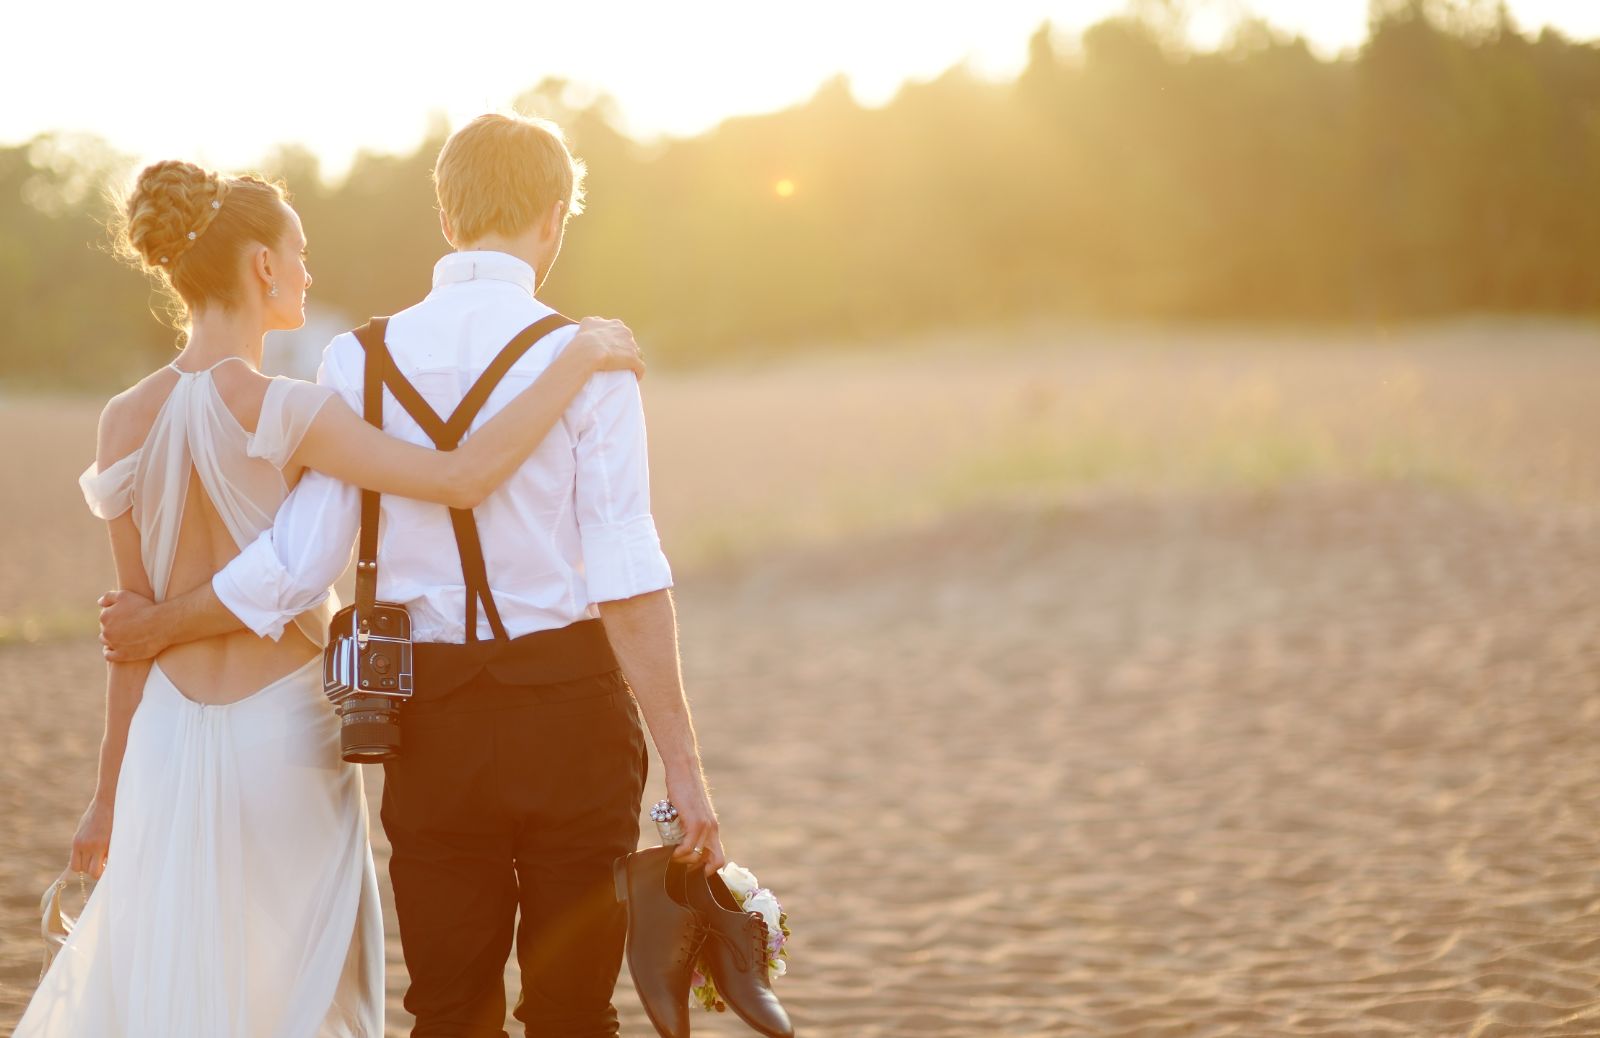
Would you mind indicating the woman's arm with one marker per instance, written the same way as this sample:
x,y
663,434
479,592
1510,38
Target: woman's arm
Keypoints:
x,y
340,443
124,690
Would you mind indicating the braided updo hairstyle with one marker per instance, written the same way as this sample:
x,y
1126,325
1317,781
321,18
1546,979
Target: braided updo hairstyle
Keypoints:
x,y
187,227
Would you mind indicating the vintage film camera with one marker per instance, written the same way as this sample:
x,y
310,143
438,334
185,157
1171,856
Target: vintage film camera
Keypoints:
x,y
366,675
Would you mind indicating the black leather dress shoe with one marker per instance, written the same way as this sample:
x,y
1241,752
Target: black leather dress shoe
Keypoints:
x,y
664,935
735,954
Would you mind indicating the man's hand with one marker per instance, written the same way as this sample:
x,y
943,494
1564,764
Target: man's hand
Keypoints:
x,y
688,794
643,631
128,627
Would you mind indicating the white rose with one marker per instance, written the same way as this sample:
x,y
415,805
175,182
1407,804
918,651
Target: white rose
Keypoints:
x,y
740,880
780,966
762,901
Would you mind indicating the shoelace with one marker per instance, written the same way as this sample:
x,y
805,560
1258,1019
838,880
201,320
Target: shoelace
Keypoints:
x,y
693,939
742,960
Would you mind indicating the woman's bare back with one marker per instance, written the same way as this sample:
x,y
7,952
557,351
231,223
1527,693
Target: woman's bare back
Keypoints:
x,y
226,668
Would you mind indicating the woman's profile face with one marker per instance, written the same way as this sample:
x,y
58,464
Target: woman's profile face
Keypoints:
x,y
287,310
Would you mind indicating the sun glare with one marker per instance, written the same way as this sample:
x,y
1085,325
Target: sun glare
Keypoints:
x,y
785,188
575,42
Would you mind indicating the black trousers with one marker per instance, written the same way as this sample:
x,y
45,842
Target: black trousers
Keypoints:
x,y
505,799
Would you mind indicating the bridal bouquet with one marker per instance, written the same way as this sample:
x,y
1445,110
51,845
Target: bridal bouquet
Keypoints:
x,y
750,896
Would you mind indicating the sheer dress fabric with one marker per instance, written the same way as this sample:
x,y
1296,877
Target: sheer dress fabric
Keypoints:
x,y
242,472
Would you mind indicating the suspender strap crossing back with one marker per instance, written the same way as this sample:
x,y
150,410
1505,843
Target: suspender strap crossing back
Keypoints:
x,y
446,435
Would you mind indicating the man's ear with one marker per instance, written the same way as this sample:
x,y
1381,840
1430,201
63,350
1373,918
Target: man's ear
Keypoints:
x,y
551,231
444,225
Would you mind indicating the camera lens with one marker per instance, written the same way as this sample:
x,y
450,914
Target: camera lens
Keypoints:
x,y
369,729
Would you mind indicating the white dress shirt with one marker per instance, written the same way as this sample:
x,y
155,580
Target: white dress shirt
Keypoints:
x,y
570,528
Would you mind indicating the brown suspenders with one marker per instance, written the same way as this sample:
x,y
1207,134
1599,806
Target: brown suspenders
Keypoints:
x,y
446,435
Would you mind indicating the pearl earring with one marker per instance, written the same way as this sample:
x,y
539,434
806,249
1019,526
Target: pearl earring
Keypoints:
x,y
273,292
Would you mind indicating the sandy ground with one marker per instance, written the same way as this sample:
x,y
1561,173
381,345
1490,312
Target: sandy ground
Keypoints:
x,y
1314,763
1264,705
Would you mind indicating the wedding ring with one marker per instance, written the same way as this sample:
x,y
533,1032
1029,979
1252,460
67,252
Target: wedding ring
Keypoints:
x,y
697,850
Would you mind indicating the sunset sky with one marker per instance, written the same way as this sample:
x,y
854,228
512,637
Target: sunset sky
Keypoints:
x,y
223,83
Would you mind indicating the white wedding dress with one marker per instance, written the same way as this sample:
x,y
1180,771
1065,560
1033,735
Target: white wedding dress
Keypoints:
x,y
239,899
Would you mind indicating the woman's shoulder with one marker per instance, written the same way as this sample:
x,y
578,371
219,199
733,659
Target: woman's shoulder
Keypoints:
x,y
126,419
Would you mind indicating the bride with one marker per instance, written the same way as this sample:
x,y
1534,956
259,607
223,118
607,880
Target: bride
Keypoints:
x,y
238,897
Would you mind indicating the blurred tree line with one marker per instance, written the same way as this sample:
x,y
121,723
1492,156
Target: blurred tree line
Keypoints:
x,y
1450,164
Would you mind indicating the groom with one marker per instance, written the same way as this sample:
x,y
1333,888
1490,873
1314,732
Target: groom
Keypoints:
x,y
522,764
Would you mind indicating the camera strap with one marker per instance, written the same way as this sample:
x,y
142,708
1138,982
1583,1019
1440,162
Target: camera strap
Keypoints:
x,y
446,435
367,545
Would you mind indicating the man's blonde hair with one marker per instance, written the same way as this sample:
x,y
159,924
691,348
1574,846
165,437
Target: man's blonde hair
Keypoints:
x,y
501,173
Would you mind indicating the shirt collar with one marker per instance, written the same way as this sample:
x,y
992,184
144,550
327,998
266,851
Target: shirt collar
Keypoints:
x,y
483,266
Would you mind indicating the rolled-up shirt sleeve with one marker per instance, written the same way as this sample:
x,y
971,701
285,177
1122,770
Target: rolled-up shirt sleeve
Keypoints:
x,y
622,554
291,566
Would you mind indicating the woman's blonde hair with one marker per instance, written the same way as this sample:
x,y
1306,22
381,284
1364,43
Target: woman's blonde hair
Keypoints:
x,y
500,173
187,226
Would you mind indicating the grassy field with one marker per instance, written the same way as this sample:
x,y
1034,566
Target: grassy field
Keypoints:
x,y
827,448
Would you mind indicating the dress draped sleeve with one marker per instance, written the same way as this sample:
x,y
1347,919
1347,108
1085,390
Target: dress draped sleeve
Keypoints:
x,y
287,412
110,493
